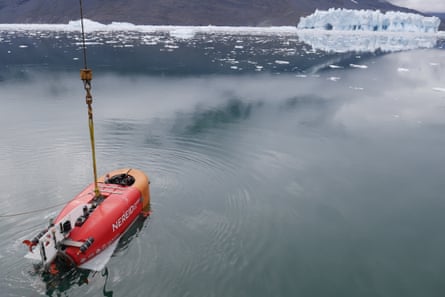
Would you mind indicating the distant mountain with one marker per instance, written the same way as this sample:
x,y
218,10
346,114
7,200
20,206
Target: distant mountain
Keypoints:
x,y
178,12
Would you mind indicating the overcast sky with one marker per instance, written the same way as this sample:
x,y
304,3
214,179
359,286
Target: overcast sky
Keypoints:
x,y
422,5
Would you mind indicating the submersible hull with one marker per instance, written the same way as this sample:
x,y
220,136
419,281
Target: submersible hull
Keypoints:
x,y
90,225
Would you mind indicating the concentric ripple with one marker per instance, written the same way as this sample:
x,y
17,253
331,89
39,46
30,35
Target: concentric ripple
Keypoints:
x,y
326,179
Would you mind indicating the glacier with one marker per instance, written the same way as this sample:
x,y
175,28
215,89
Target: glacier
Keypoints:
x,y
339,19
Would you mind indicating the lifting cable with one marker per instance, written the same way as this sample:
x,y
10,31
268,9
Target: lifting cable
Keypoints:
x,y
31,211
86,75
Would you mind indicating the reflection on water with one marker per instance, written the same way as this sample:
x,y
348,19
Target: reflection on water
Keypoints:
x,y
343,42
320,182
68,277
60,284
202,53
232,111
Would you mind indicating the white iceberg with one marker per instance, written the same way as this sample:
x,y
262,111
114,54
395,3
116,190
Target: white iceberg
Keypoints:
x,y
369,20
182,32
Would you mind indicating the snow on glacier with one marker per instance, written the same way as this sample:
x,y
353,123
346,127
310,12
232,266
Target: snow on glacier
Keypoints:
x,y
369,20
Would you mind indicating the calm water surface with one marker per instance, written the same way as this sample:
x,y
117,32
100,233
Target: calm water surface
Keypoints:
x,y
276,169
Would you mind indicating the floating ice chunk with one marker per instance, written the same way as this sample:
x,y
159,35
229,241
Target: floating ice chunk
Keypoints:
x,y
400,69
334,78
171,46
89,43
182,33
230,61
368,20
358,66
281,62
439,89
23,46
335,66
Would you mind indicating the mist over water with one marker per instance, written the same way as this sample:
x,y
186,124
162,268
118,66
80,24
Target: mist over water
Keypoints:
x,y
320,174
